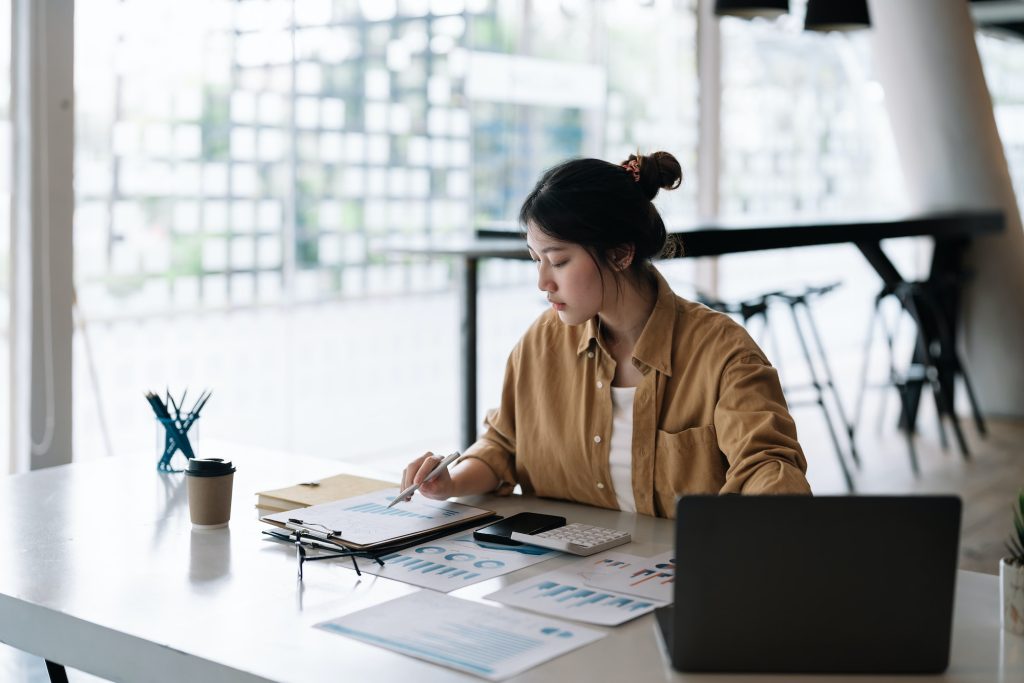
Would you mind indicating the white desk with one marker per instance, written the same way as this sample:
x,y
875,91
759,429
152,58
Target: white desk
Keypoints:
x,y
100,571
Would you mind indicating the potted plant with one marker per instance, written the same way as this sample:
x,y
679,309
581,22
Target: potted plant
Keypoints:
x,y
1011,573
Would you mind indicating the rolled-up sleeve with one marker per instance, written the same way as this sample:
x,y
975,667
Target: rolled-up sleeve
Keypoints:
x,y
497,447
756,432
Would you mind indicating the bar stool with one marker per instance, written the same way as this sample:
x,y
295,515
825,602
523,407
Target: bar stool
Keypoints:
x,y
935,358
821,382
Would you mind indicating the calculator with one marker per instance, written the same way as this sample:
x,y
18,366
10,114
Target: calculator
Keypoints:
x,y
577,539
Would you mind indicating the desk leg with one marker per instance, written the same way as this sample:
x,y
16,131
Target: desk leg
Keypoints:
x,y
946,283
56,672
467,361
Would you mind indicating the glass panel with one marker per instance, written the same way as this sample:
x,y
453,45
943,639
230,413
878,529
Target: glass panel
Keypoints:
x,y
805,133
238,161
1002,57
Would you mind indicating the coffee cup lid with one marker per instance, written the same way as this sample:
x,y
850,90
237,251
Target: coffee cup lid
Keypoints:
x,y
208,467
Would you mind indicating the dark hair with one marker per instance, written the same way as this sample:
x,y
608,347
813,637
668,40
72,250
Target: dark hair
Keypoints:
x,y
601,206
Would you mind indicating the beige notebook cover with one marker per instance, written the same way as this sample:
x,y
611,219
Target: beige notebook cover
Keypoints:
x,y
328,490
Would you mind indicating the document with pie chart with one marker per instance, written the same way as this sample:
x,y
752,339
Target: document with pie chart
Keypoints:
x,y
456,561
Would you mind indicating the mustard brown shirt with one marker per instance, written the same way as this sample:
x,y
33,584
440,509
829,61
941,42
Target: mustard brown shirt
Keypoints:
x,y
708,416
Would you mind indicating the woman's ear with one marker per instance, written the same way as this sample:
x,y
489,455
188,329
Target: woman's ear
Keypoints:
x,y
621,257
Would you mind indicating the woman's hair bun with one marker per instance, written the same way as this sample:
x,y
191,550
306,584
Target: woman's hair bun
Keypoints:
x,y
658,171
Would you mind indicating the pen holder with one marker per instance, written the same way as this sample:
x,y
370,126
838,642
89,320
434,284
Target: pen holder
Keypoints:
x,y
173,436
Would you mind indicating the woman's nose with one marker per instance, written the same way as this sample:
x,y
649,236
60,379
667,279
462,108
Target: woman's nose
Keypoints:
x,y
544,282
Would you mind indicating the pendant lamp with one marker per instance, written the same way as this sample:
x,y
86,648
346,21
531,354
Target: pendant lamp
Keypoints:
x,y
836,15
748,9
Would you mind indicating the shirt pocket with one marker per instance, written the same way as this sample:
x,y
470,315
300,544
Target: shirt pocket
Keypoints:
x,y
687,462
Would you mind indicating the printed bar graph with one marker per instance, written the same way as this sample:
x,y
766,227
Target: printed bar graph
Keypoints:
x,y
375,509
575,597
572,591
411,564
486,641
641,577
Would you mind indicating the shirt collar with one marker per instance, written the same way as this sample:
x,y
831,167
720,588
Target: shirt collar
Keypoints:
x,y
654,347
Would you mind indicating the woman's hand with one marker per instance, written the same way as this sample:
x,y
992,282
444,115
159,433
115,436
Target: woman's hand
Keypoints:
x,y
440,487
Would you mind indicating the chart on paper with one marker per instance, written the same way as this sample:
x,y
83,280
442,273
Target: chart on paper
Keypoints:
x,y
479,639
566,592
456,561
367,518
646,577
378,509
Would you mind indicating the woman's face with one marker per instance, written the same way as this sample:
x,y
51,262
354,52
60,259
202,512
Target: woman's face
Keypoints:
x,y
567,274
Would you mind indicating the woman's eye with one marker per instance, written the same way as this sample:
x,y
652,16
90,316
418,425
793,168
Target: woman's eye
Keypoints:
x,y
559,264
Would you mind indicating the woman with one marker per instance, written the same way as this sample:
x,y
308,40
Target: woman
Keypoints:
x,y
623,395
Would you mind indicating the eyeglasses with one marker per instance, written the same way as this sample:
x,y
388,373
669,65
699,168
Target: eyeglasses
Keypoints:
x,y
302,556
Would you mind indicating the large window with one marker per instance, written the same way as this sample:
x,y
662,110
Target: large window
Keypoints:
x,y
805,134
804,125
1002,57
240,164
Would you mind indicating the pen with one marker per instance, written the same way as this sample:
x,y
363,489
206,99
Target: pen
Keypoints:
x,y
441,466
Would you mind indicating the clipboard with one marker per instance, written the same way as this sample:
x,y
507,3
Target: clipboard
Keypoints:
x,y
365,522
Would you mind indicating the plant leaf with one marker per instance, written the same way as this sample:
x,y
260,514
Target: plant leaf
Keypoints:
x,y
1016,549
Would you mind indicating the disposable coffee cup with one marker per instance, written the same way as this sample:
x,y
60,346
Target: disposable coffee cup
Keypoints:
x,y
209,492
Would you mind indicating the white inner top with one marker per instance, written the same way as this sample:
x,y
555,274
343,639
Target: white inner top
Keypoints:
x,y
620,455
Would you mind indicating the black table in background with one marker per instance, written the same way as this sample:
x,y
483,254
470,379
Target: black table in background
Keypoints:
x,y
952,233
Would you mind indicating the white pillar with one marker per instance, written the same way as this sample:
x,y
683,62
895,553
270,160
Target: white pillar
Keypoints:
x,y
709,141
41,323
945,129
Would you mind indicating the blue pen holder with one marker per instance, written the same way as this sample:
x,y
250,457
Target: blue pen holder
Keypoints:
x,y
174,436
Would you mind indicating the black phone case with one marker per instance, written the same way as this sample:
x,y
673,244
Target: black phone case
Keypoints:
x,y
524,523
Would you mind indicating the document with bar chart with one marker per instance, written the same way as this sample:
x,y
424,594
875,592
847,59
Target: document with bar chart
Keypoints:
x,y
566,591
645,577
456,561
366,520
479,639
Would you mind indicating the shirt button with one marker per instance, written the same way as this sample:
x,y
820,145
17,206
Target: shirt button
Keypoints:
x,y
600,385
600,485
597,438
590,354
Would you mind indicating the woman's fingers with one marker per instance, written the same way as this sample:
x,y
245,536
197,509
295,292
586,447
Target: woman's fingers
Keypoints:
x,y
408,476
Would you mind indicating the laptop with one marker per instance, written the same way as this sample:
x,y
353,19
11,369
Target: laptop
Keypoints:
x,y
799,584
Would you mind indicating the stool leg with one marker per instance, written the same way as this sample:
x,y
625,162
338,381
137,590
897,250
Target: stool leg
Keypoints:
x,y
56,672
830,382
820,397
865,367
943,440
908,429
889,337
949,363
958,431
979,421
943,400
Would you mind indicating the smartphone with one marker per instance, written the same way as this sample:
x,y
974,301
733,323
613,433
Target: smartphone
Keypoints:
x,y
524,523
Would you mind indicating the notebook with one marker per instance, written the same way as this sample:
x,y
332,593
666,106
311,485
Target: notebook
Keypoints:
x,y
788,584
318,491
